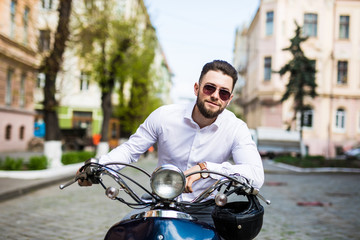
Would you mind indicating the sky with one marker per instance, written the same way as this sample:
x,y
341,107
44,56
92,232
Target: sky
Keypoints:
x,y
194,32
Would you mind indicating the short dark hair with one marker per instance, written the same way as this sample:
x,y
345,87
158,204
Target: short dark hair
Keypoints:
x,y
220,65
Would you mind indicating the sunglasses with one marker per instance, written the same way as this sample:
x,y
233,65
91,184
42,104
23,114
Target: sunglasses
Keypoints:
x,y
210,89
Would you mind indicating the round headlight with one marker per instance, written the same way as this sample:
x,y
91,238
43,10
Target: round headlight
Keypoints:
x,y
168,182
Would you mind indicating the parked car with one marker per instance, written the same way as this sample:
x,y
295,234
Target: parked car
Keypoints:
x,y
353,154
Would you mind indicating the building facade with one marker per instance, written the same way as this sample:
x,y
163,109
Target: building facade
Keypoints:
x,y
79,95
332,121
18,64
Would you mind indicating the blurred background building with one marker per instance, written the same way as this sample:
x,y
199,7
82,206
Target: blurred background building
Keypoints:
x,y
26,36
332,122
18,69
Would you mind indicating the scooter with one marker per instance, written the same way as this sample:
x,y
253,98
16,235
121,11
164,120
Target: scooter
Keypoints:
x,y
237,212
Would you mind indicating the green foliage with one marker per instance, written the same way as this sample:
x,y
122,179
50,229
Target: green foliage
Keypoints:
x,y
143,95
76,157
316,158
40,162
316,161
37,163
11,164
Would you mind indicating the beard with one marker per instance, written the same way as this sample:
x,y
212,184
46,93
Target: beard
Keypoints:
x,y
207,113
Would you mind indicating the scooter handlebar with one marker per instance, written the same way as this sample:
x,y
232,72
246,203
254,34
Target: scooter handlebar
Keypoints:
x,y
87,172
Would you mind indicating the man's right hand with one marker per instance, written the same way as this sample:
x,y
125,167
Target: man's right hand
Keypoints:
x,y
83,182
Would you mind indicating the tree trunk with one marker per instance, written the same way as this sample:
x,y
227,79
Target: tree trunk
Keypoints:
x,y
50,67
107,111
103,146
302,145
52,130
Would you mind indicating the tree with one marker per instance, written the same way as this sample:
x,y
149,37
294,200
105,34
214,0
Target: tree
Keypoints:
x,y
301,80
110,47
50,67
94,36
143,99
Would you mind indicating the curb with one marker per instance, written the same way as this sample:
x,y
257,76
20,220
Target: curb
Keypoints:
x,y
285,168
7,195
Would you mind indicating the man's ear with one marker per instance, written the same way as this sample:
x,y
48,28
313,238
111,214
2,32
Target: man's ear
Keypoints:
x,y
229,101
196,89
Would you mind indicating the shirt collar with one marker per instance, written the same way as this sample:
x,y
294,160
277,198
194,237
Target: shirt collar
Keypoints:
x,y
188,115
188,110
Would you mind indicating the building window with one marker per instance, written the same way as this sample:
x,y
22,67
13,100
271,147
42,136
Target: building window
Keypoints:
x,y
84,82
26,24
8,95
8,132
40,82
22,90
267,68
344,27
340,119
46,4
21,132
308,118
44,40
269,23
310,25
12,18
342,72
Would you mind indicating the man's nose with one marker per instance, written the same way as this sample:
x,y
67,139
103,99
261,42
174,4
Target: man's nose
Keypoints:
x,y
215,94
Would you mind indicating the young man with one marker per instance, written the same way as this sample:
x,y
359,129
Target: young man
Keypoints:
x,y
198,136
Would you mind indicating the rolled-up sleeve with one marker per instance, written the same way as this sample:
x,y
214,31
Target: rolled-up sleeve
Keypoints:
x,y
246,157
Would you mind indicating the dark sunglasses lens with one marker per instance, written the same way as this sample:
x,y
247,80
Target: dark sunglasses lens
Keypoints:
x,y
224,95
208,89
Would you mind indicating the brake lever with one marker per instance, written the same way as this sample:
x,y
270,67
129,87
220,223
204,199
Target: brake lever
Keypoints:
x,y
78,176
257,193
251,190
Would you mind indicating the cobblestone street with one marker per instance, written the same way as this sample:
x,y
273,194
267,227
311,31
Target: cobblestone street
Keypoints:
x,y
85,213
336,219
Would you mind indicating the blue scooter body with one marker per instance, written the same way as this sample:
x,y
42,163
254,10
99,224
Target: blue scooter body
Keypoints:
x,y
158,228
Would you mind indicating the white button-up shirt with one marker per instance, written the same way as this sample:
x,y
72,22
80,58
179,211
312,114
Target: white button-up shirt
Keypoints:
x,y
182,143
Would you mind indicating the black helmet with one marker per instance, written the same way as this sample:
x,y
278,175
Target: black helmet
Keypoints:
x,y
239,220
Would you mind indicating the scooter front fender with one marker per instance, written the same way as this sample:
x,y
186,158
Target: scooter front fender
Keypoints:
x,y
158,228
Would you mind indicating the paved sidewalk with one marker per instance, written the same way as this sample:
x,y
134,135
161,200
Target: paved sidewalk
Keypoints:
x,y
17,183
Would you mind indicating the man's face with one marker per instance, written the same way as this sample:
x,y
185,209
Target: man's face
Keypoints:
x,y
211,105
